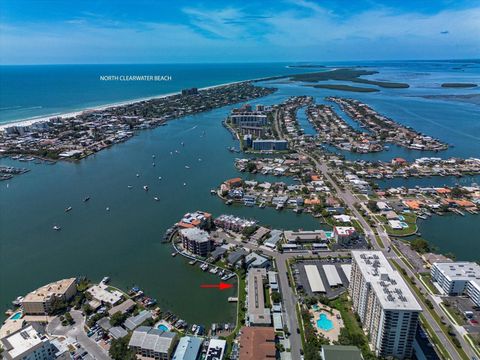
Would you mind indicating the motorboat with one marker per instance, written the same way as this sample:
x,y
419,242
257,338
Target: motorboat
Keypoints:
x,y
68,209
57,228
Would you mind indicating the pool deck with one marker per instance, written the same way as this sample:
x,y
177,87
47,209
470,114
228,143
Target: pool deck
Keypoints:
x,y
336,319
164,323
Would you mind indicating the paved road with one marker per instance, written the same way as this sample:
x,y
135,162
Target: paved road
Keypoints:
x,y
76,332
350,200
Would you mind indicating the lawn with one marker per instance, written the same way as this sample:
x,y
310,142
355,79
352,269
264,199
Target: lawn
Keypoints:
x,y
352,326
411,220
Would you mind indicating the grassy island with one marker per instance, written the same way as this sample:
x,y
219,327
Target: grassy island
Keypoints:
x,y
345,88
352,75
458,85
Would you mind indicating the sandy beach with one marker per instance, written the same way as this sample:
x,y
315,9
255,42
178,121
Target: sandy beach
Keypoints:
x,y
30,121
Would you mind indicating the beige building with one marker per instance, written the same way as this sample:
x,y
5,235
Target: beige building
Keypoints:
x,y
387,308
41,301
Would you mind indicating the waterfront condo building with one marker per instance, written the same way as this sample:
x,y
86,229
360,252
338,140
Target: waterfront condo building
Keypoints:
x,y
200,219
153,343
197,241
188,348
27,344
257,313
42,301
270,145
233,223
248,118
458,278
388,311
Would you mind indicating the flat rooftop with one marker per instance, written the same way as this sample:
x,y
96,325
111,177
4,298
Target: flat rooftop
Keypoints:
x,y
257,313
55,288
17,344
388,285
461,270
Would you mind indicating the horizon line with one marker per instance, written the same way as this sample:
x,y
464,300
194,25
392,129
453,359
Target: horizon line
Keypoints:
x,y
247,62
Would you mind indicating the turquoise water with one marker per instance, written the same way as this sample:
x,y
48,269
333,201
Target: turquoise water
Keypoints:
x,y
32,91
324,323
125,243
16,316
162,327
315,307
304,123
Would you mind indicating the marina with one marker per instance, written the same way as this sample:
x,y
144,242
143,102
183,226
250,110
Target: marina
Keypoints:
x,y
120,200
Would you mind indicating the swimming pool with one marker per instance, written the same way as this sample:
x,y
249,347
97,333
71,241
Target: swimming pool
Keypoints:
x,y
315,307
162,327
324,323
16,316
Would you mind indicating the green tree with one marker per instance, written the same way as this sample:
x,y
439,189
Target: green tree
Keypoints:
x,y
117,319
119,349
372,205
276,297
420,245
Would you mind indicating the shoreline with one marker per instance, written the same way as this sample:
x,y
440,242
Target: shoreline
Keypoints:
x,y
44,118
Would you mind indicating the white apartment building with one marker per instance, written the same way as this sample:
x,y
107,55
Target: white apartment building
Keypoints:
x,y
249,119
458,278
27,344
387,309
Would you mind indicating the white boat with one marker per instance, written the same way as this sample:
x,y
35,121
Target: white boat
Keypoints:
x,y
184,184
107,208
156,198
18,301
199,159
138,175
153,164
130,186
153,156
187,167
106,280
159,178
68,209
145,187
57,228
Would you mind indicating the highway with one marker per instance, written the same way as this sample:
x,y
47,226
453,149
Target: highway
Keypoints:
x,y
350,201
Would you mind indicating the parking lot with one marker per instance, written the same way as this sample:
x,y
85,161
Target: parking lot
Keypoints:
x,y
465,304
301,279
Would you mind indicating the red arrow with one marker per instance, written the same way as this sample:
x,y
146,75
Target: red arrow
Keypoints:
x,y
221,286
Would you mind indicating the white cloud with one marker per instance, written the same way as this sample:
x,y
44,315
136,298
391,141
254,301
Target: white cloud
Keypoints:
x,y
302,31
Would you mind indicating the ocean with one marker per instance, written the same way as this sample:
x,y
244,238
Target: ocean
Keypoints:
x,y
125,242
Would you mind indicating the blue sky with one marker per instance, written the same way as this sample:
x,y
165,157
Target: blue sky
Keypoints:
x,y
157,31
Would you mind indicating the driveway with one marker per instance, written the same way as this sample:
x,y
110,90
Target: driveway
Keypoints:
x,y
76,332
